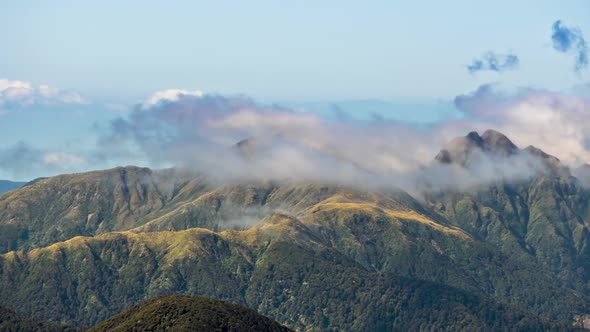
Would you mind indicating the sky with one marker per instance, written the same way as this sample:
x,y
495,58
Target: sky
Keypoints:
x,y
73,69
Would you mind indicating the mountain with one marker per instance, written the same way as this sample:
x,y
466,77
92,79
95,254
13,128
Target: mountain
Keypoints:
x,y
184,313
462,150
58,208
6,185
545,218
315,243
278,269
510,253
473,150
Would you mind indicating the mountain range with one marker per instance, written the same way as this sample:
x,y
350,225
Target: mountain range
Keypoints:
x,y
510,253
6,185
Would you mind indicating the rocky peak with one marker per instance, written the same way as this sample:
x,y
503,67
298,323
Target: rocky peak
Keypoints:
x,y
461,150
498,143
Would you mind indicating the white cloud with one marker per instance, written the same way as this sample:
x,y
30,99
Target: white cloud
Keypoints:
x,y
170,95
25,94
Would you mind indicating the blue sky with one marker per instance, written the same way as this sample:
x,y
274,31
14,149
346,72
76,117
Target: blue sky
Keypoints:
x,y
404,60
280,49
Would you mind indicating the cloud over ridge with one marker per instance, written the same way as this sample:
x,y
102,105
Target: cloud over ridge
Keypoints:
x,y
201,132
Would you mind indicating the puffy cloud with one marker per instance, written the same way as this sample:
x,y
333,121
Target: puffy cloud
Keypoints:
x,y
170,95
570,40
494,62
25,94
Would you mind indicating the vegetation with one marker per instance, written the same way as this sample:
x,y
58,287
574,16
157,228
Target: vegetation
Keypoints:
x,y
281,269
184,313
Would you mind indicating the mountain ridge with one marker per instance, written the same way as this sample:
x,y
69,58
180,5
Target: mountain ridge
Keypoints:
x,y
114,237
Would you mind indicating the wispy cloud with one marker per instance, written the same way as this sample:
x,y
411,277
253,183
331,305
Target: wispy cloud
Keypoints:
x,y
567,39
494,62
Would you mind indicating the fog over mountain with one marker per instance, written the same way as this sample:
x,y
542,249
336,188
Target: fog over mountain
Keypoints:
x,y
197,133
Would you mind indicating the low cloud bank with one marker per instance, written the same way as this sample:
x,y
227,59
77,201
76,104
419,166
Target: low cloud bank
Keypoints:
x,y
200,133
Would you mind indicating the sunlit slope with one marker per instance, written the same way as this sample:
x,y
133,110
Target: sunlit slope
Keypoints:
x,y
284,268
58,208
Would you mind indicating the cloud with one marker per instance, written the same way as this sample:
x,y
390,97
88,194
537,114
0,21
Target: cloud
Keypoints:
x,y
200,133
26,94
24,161
494,62
566,40
170,95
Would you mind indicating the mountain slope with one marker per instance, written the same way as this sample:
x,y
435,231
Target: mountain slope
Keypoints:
x,y
463,150
284,273
58,208
311,256
544,218
183,313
